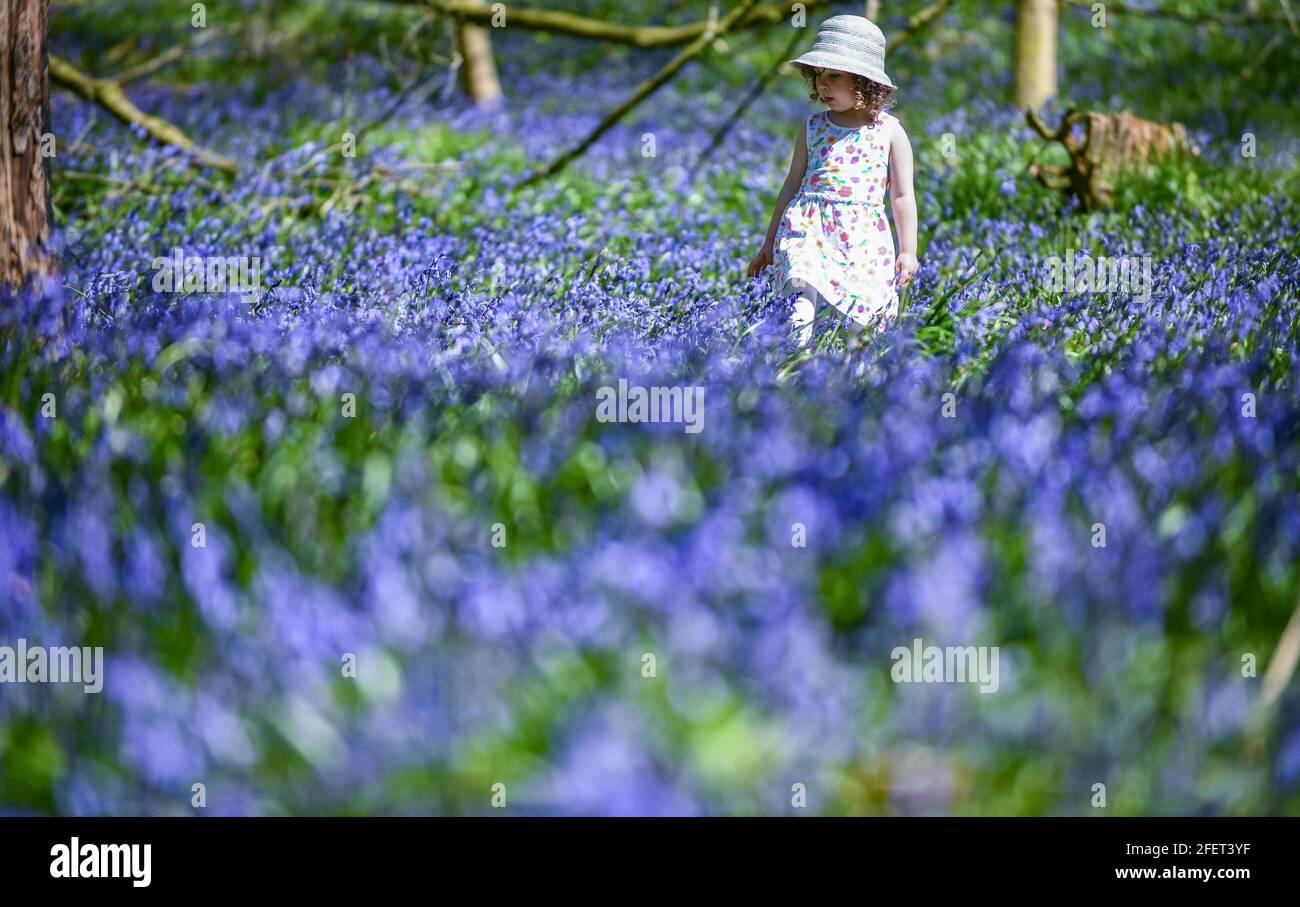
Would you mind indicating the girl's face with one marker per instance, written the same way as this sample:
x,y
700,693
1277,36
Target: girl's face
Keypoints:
x,y
835,88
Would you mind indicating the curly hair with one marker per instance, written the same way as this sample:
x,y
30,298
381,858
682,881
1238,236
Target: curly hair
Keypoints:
x,y
871,96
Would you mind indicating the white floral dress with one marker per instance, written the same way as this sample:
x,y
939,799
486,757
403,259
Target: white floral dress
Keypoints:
x,y
834,235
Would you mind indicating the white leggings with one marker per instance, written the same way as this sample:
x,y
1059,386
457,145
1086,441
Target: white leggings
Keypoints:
x,y
808,307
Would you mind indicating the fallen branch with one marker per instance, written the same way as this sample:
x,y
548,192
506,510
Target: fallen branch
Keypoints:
x,y
105,180
715,140
1282,665
688,53
108,94
148,182
1281,668
1202,18
378,120
167,57
917,21
1290,18
555,22
1234,83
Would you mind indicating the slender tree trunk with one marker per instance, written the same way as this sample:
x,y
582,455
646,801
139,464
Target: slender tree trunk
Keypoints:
x,y
1035,53
24,117
478,72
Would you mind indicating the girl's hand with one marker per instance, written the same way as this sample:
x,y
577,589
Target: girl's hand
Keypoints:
x,y
761,260
904,269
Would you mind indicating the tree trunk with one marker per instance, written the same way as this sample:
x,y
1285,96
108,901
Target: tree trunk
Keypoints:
x,y
1035,53
478,73
24,116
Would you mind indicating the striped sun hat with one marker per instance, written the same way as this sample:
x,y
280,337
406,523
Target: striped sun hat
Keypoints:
x,y
850,44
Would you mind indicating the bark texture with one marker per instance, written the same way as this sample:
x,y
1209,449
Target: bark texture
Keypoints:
x,y
25,114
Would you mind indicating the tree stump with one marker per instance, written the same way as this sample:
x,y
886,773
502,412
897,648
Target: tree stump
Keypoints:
x,y
1112,144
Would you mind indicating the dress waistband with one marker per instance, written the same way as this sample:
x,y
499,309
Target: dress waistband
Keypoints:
x,y
828,197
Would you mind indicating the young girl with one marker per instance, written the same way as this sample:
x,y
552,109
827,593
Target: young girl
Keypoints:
x,y
829,238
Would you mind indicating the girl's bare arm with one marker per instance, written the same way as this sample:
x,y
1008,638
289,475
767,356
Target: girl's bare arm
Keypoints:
x,y
798,164
903,201
901,196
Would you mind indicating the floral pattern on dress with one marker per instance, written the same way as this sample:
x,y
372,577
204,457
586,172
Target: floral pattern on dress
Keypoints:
x,y
834,235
